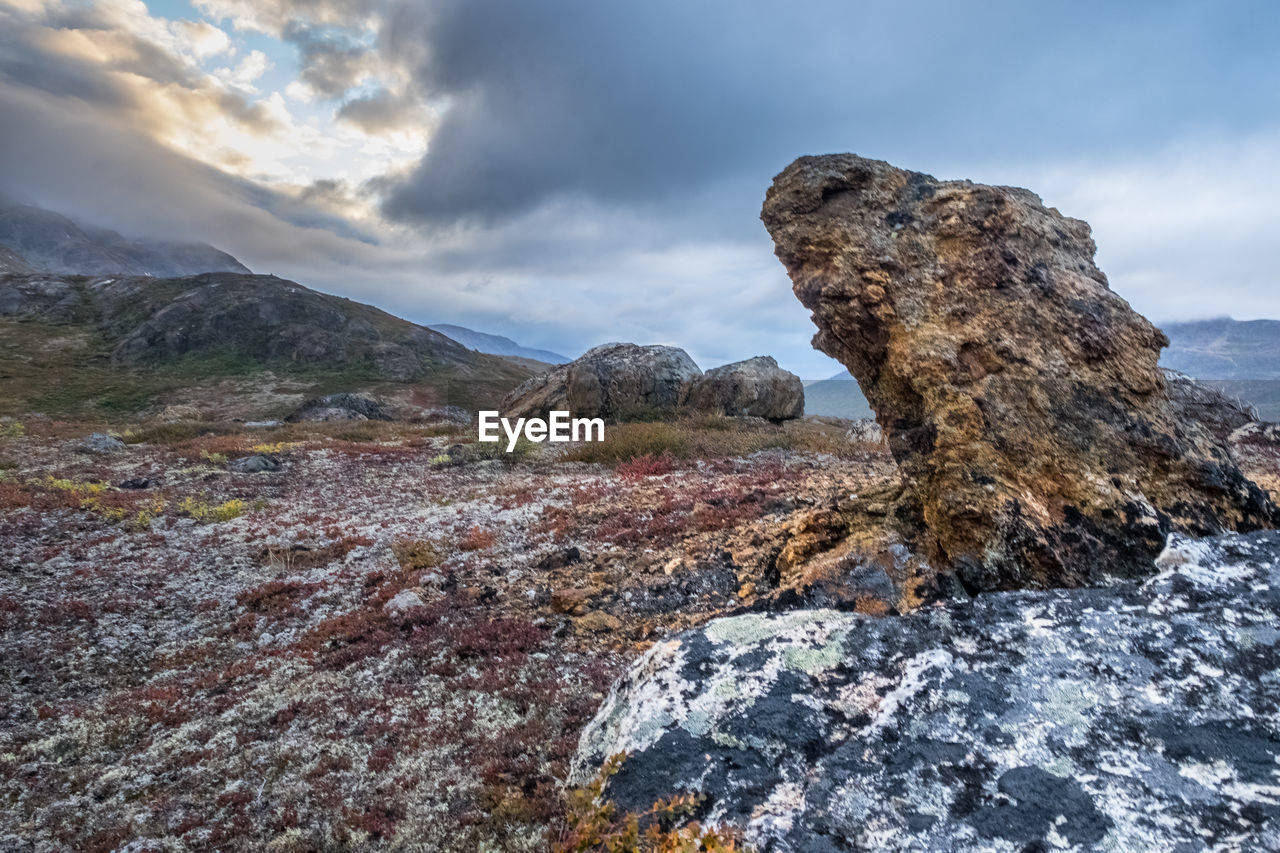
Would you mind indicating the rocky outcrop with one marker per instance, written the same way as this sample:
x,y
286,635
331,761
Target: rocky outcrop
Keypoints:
x,y
1137,717
340,407
616,381
1019,394
1208,406
756,388
37,297
101,444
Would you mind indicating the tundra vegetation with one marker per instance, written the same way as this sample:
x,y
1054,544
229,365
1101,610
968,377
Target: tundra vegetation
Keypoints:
x,y
395,638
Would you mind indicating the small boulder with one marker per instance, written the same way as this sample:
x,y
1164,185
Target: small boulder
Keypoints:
x,y
865,431
570,601
614,381
256,464
340,407
558,559
101,444
404,602
598,622
756,387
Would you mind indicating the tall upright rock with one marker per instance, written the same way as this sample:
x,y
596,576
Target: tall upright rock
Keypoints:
x,y
1019,394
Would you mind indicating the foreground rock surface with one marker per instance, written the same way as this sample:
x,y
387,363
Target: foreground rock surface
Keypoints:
x,y
1139,717
756,387
1018,393
609,381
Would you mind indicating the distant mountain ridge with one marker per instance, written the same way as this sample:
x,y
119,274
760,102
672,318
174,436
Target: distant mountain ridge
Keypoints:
x,y
837,396
1241,357
50,242
496,344
1223,348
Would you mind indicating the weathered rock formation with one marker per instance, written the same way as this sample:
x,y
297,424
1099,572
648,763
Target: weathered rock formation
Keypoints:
x,y
1019,394
756,387
1137,717
614,381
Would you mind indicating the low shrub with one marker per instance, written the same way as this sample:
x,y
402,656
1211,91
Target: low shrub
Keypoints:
x,y
213,513
477,539
711,437
624,442
416,554
178,432
592,823
647,465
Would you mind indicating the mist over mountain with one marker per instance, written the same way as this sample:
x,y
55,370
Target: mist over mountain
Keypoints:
x,y
50,242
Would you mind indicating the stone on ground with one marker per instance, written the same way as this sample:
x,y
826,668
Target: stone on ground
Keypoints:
x,y
756,387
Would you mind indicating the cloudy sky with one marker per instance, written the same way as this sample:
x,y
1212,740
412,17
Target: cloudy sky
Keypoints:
x,y
569,172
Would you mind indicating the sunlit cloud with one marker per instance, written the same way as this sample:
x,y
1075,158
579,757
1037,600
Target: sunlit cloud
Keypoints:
x,y
567,173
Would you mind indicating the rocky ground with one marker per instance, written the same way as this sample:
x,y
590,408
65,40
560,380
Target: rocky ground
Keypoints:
x,y
393,640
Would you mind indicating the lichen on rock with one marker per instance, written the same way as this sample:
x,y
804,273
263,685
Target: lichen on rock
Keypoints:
x,y
1137,717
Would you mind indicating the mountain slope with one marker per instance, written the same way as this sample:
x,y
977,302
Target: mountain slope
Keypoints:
x,y
51,242
496,344
112,345
13,263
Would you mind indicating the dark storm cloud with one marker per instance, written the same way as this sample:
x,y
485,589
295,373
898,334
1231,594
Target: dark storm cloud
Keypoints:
x,y
381,111
72,159
23,63
331,62
634,103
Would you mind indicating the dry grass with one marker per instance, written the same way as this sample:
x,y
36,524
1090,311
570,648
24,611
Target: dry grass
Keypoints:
x,y
712,437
